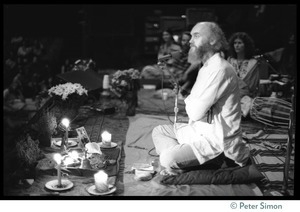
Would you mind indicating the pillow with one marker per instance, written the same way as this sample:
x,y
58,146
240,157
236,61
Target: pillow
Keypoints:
x,y
232,175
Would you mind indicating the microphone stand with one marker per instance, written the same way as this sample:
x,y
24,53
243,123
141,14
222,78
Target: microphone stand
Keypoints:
x,y
162,65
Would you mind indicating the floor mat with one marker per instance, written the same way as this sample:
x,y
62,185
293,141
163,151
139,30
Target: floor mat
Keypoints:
x,y
139,149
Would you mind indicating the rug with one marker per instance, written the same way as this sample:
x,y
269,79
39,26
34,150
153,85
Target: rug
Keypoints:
x,y
268,149
139,150
151,102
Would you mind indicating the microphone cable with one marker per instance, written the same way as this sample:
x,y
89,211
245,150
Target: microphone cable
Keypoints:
x,y
162,90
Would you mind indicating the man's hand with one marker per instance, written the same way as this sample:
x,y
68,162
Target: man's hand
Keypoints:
x,y
184,93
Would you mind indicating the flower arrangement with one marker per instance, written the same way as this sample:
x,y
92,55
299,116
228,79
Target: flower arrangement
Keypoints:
x,y
67,91
124,81
68,98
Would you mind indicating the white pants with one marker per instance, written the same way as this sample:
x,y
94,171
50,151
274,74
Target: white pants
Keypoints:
x,y
174,155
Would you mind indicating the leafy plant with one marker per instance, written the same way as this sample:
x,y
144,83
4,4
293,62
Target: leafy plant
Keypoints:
x,y
124,81
45,127
28,151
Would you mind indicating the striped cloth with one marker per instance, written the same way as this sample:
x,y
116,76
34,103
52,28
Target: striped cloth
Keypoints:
x,y
271,162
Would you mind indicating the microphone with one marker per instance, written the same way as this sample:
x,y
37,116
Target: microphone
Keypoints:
x,y
169,56
258,56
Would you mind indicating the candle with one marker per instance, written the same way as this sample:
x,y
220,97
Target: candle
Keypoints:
x,y
57,158
66,123
106,138
74,155
101,181
105,82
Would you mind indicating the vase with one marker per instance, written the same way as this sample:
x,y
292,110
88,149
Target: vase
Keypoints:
x,y
66,111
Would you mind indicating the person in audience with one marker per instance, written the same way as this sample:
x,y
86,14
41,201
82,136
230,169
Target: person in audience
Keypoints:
x,y
24,52
13,98
181,64
240,56
213,132
16,109
168,46
37,48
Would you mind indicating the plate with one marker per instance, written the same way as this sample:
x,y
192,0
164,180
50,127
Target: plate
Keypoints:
x,y
92,190
113,145
52,185
71,142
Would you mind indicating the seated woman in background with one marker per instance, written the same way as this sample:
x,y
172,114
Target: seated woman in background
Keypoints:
x,y
168,46
240,56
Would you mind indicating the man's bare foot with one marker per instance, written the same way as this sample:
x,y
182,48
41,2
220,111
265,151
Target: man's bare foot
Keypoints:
x,y
168,172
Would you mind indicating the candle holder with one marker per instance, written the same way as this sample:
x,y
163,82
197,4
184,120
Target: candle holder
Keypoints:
x,y
59,184
64,141
54,185
106,141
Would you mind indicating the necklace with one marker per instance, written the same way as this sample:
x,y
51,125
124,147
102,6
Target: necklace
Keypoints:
x,y
239,64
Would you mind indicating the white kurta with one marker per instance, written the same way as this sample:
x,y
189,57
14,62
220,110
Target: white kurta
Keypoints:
x,y
217,87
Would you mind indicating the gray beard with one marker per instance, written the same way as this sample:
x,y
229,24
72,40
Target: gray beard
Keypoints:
x,y
202,51
196,54
193,56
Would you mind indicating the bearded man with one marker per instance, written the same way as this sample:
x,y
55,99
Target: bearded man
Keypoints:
x,y
205,139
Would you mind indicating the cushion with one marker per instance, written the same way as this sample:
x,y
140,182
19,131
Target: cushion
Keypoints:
x,y
227,175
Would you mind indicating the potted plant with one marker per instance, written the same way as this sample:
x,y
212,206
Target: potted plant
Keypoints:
x,y
28,153
125,85
45,127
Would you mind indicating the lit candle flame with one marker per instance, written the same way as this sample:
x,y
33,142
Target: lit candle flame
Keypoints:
x,y
106,136
65,122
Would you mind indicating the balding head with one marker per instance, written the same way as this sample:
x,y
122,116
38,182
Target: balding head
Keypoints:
x,y
213,33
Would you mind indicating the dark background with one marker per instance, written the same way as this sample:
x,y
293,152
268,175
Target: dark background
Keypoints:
x,y
114,35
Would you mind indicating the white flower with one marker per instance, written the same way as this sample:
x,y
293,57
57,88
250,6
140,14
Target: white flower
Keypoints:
x,y
123,83
64,90
122,80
